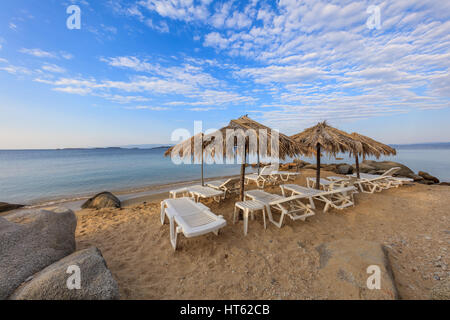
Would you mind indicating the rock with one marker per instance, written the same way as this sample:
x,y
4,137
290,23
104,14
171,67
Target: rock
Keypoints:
x,y
8,206
428,176
300,163
97,282
441,291
365,168
426,182
416,177
343,270
310,166
345,169
386,165
444,184
28,248
102,200
330,167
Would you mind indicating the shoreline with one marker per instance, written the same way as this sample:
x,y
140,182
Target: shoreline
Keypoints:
x,y
128,197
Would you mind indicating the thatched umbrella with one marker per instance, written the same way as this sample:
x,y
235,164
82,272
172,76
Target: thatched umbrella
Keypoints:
x,y
370,147
193,152
323,137
252,139
286,146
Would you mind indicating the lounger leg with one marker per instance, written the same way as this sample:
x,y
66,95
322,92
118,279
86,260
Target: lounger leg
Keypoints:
x,y
245,221
311,202
173,233
234,215
163,212
264,217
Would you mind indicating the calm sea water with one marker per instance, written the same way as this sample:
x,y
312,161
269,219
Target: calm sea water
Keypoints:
x,y
33,176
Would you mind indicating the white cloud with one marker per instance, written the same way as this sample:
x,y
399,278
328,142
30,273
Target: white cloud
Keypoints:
x,y
53,68
38,53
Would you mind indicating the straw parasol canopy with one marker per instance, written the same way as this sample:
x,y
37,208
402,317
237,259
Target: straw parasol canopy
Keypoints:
x,y
370,147
187,148
243,137
323,137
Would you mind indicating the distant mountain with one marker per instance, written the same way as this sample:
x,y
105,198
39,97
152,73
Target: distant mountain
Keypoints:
x,y
145,146
434,145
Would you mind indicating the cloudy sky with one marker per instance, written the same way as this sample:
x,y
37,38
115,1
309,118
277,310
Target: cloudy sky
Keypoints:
x,y
137,70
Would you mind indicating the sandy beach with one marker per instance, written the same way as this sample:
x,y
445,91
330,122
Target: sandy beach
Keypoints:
x,y
413,222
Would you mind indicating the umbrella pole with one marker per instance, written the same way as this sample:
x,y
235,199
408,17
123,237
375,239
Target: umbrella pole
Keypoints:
x,y
259,165
318,168
357,166
243,172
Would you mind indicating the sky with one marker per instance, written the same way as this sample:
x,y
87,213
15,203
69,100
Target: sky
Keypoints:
x,y
137,70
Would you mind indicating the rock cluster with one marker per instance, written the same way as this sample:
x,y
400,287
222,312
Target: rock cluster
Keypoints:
x,y
367,166
35,255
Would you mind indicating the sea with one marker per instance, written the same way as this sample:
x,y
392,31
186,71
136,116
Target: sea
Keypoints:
x,y
36,177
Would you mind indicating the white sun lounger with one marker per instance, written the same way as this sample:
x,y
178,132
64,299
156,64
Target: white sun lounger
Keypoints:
x,y
326,184
265,176
190,218
340,198
293,207
376,183
284,175
198,192
226,185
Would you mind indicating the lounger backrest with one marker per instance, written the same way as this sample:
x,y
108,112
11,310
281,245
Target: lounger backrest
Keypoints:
x,y
391,171
286,200
230,182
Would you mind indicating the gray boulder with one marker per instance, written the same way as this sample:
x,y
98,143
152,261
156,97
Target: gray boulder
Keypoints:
x,y
97,282
28,248
343,270
386,165
102,200
428,176
365,168
8,206
345,169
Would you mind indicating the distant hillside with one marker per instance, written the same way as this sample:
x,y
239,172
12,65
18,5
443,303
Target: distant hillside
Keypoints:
x,y
437,145
145,146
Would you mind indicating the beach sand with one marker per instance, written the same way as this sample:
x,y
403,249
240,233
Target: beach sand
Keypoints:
x,y
412,221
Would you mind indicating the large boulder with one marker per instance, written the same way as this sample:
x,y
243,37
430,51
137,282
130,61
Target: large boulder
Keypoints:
x,y
428,177
300,163
102,200
8,206
344,270
345,169
97,282
28,248
383,166
365,168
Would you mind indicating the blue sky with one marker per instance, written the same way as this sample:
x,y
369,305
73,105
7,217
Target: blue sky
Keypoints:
x,y
137,70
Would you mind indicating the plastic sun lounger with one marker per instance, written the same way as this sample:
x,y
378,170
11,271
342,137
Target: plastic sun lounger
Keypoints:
x,y
190,218
284,175
326,184
198,192
265,176
287,206
340,198
377,183
226,185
